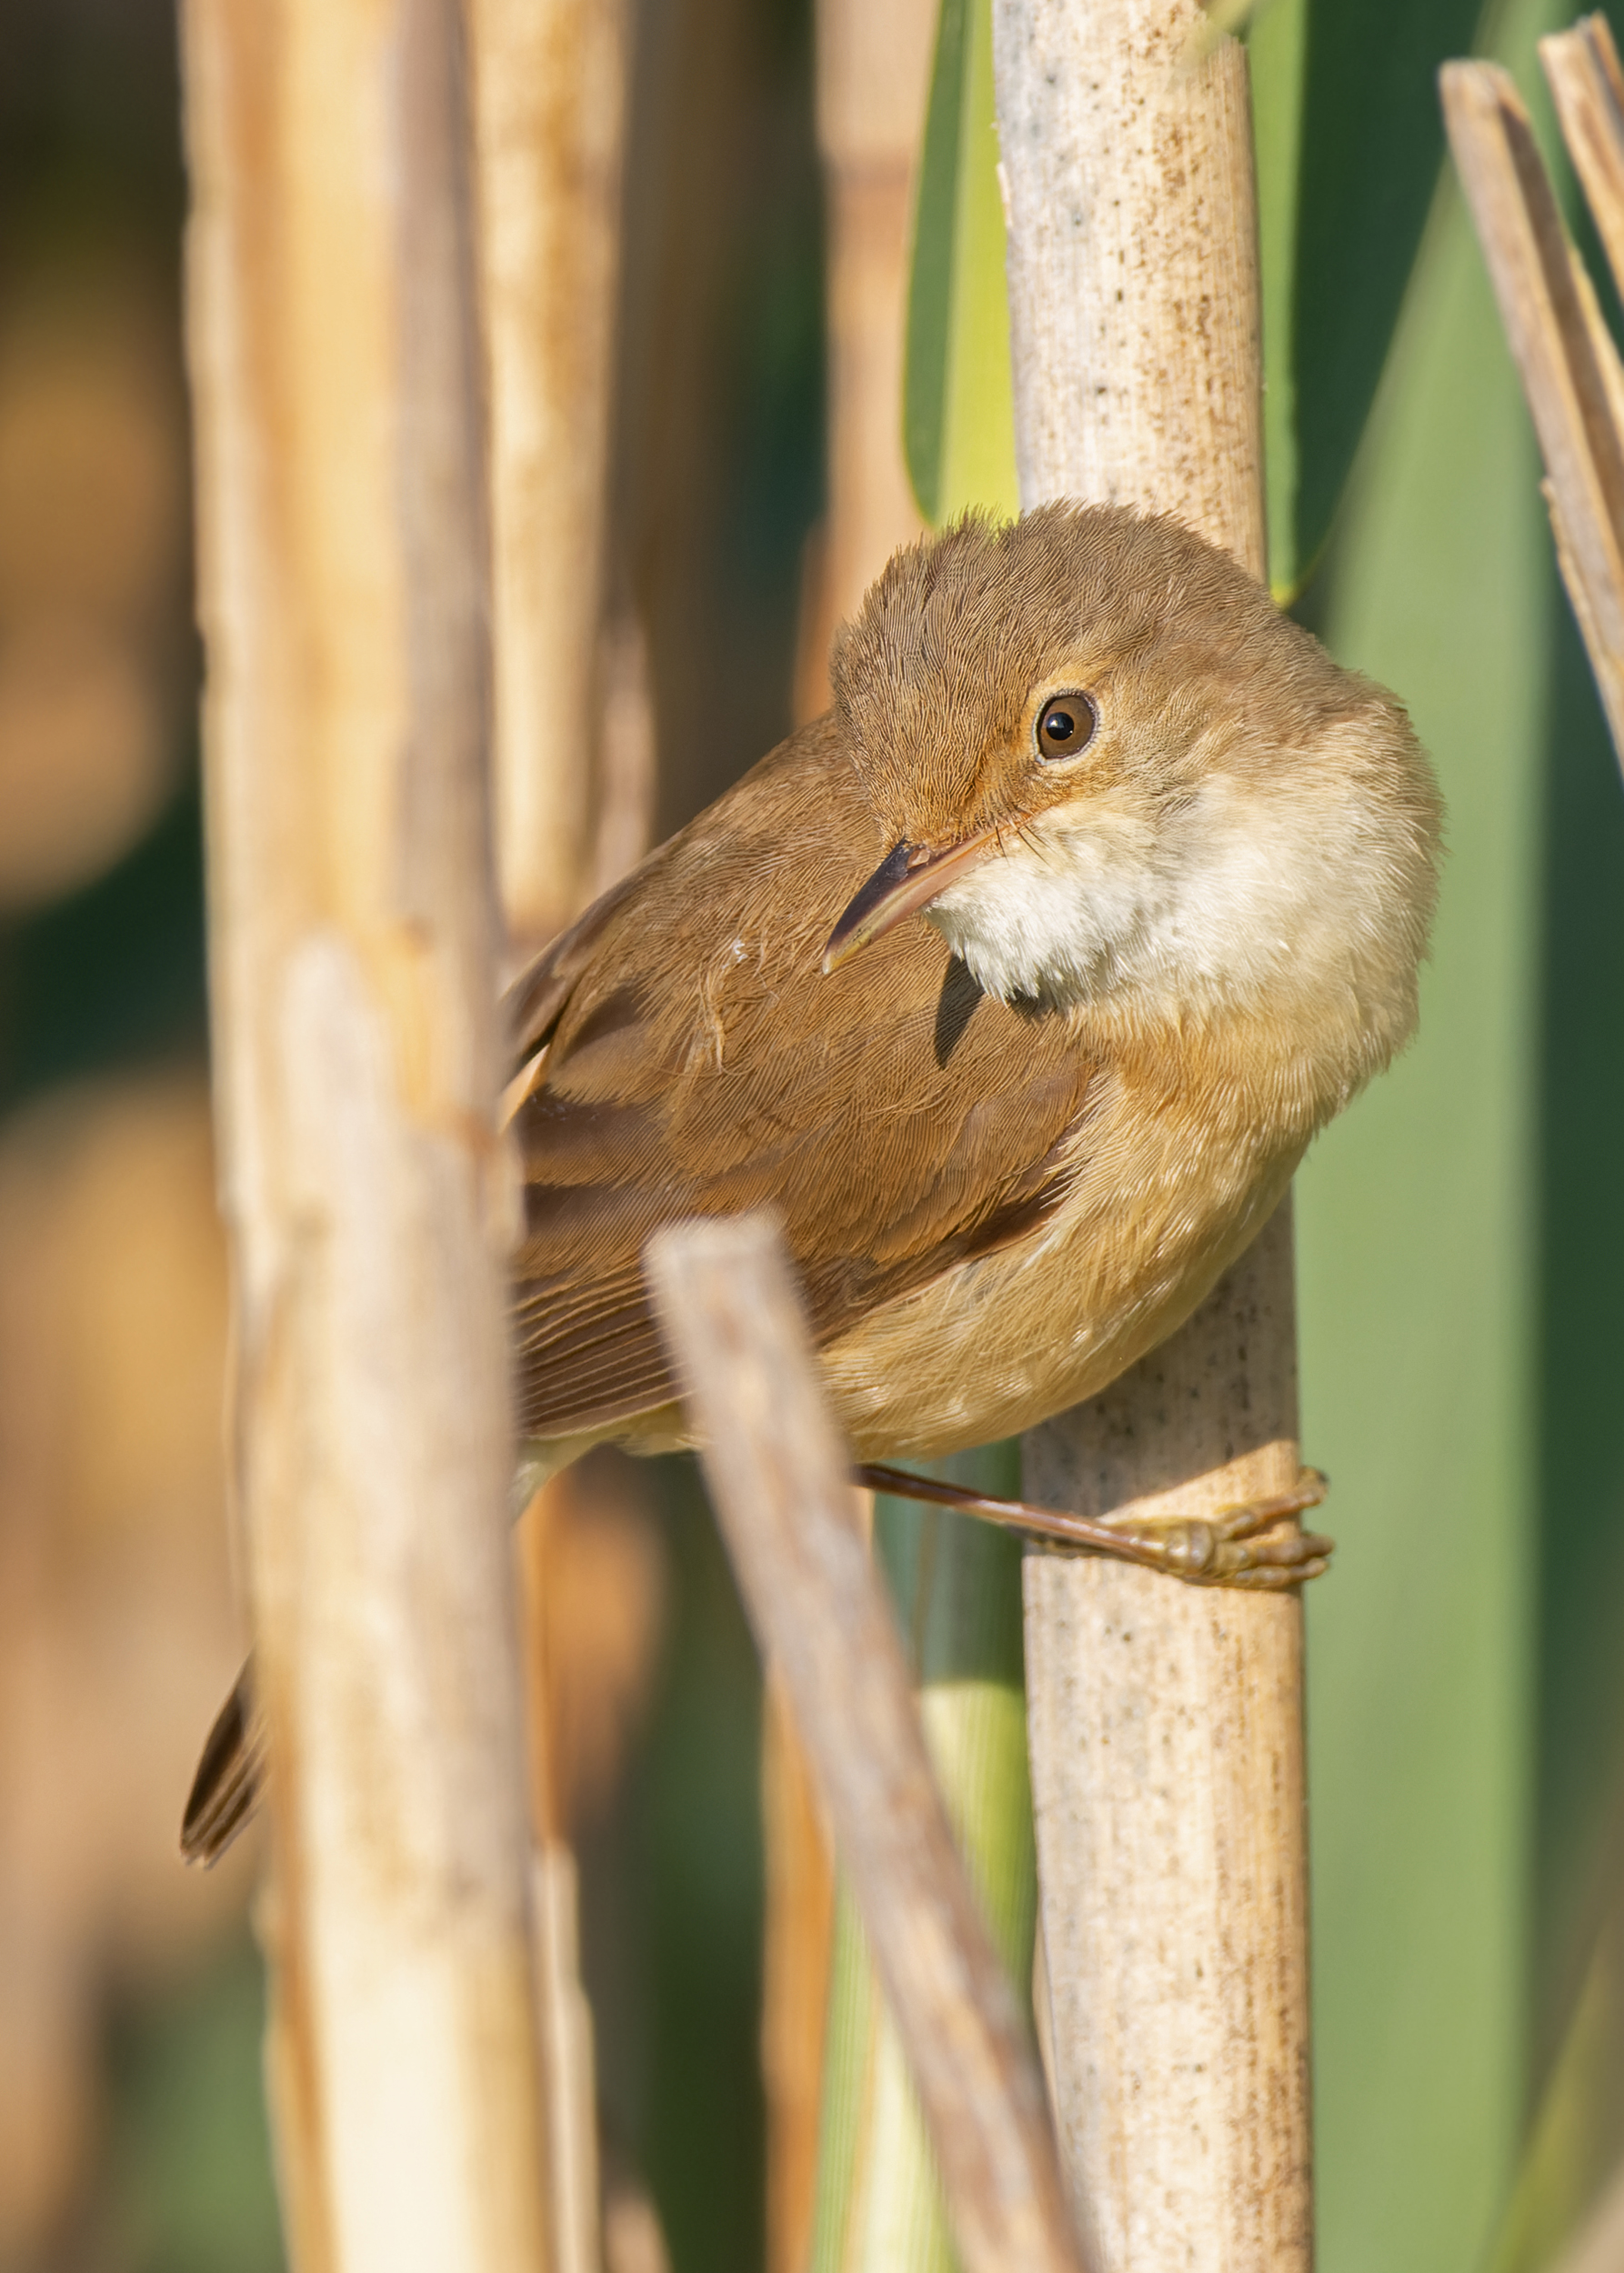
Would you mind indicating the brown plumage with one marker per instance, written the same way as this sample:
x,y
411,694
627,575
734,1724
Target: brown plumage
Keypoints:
x,y
1173,871
876,1108
994,1204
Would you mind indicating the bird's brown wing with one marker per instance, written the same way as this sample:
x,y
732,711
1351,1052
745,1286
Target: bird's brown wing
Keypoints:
x,y
699,1063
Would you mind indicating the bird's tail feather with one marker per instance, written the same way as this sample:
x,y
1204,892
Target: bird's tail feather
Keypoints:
x,y
226,1788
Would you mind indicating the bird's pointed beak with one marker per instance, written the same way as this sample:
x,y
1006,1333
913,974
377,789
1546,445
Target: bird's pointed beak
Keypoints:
x,y
908,878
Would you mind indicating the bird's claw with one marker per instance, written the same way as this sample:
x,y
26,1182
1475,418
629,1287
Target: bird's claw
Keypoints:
x,y
1229,1549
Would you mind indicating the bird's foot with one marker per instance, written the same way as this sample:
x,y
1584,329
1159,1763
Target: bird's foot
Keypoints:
x,y
1240,1545
1231,1548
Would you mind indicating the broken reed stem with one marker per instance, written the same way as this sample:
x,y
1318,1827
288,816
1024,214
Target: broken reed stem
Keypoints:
x,y
729,1309
955,1587
1581,67
335,370
1166,1721
550,104
1568,366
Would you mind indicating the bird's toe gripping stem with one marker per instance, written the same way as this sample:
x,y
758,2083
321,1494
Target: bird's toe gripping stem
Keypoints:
x,y
1231,1548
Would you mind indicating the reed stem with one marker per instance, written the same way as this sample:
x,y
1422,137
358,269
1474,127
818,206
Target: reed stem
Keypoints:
x,y
956,1584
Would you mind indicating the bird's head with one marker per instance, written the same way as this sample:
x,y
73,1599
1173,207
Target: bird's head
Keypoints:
x,y
1105,766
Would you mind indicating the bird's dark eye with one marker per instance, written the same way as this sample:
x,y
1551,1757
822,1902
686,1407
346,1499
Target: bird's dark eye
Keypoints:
x,y
1065,725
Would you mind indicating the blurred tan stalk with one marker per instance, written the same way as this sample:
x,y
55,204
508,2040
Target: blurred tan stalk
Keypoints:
x,y
573,758
873,69
550,98
335,364
592,1576
564,2018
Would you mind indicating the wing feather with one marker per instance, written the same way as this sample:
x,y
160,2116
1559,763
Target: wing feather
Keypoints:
x,y
699,1064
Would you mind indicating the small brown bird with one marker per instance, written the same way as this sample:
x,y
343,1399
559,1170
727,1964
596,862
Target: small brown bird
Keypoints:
x,y
1017,984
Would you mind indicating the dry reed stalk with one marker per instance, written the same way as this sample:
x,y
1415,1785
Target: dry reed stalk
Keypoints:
x,y
628,767
873,68
727,1307
570,2062
1582,68
550,102
873,78
1164,1721
953,1585
335,373
564,2017
798,1939
1567,362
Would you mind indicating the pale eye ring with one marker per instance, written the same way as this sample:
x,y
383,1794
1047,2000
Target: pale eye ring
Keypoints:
x,y
1066,723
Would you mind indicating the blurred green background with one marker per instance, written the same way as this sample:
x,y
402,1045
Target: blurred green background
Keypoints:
x,y
1461,1232
1462,1235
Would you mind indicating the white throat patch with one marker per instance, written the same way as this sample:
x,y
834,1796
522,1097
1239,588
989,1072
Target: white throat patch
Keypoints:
x,y
1223,896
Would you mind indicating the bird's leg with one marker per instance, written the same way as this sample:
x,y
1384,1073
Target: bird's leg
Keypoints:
x,y
1229,1548
1225,1549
